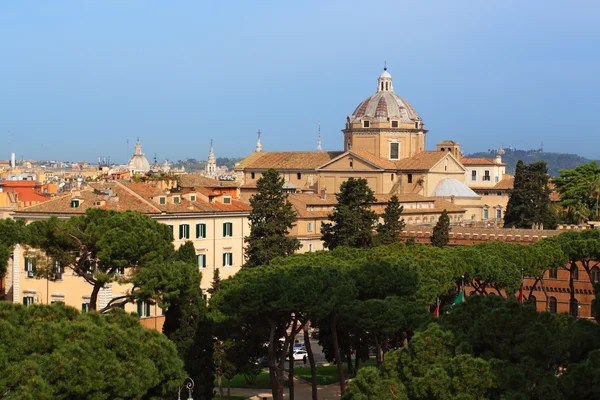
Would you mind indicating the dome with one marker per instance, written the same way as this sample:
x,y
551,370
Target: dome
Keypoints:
x,y
138,163
449,187
385,105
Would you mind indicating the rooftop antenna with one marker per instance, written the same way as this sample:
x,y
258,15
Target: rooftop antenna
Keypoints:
x,y
385,65
319,147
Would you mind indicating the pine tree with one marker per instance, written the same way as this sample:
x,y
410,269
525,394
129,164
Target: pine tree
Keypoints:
x,y
389,232
187,253
216,282
529,202
271,219
441,231
352,218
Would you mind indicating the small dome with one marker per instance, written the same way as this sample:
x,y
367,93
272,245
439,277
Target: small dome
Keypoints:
x,y
384,105
138,163
449,187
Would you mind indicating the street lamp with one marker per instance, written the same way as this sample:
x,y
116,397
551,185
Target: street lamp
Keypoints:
x,y
189,385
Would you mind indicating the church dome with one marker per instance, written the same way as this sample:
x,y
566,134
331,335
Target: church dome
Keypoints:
x,y
449,187
138,163
385,105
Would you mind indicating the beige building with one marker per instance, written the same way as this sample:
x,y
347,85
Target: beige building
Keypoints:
x,y
216,224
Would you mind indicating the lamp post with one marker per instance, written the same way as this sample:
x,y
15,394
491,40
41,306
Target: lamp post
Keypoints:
x,y
189,385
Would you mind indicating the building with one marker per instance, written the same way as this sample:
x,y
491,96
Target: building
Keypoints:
x,y
18,194
215,223
138,164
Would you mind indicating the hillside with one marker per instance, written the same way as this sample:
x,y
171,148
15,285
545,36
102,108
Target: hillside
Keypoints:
x,y
555,161
192,164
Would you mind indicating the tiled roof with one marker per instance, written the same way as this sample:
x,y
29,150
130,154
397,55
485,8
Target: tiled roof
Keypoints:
x,y
287,160
424,160
508,182
130,196
479,161
194,180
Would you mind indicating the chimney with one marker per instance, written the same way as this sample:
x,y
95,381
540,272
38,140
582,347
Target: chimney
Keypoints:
x,y
498,159
452,199
323,194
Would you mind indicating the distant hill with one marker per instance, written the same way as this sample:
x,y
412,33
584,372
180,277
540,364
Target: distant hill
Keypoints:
x,y
192,164
555,161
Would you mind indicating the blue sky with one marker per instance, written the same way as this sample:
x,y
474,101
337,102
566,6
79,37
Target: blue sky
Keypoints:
x,y
79,78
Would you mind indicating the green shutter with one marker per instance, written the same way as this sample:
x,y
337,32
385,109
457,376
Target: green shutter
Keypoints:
x,y
203,230
224,229
180,231
224,259
139,308
147,309
197,231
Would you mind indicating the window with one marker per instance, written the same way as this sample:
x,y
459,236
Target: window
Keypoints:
x,y
30,267
227,229
310,247
486,213
499,193
533,301
192,197
176,200
595,272
486,193
28,300
143,309
184,231
496,179
473,175
227,259
309,227
392,177
202,260
74,203
121,271
366,124
171,228
312,208
85,307
200,231
553,273
299,175
409,178
486,176
394,151
252,175
394,124
351,161
227,200
498,213
574,308
576,274
162,200
58,271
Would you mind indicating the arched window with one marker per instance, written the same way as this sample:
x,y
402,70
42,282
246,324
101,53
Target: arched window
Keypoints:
x,y
553,273
552,305
533,301
381,85
576,274
595,274
424,220
574,308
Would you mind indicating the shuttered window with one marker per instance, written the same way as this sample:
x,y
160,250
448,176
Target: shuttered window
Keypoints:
x,y
184,231
227,259
227,229
202,260
200,231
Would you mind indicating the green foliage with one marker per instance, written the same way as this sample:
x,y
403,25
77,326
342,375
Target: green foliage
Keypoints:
x,y
186,322
11,232
579,190
187,253
352,219
389,232
271,219
441,231
98,244
53,352
529,202
216,282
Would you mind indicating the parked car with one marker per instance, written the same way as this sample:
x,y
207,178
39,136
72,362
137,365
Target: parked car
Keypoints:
x,y
299,355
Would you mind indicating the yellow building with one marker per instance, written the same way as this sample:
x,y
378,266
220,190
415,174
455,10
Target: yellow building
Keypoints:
x,y
216,224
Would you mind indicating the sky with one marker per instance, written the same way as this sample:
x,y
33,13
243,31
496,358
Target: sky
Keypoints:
x,y
85,78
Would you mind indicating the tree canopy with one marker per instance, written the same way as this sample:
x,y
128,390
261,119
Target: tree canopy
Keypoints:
x,y
11,232
529,202
441,231
579,191
54,352
271,219
352,219
389,232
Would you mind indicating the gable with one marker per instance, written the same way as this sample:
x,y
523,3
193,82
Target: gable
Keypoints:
x,y
349,162
448,164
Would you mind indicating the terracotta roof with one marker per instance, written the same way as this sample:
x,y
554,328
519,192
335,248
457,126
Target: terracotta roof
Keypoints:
x,y
367,156
287,160
132,196
424,160
194,180
507,182
479,161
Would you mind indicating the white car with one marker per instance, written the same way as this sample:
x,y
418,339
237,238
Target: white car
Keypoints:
x,y
299,355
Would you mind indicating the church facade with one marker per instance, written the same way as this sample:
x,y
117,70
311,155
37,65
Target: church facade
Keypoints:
x,y
384,143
